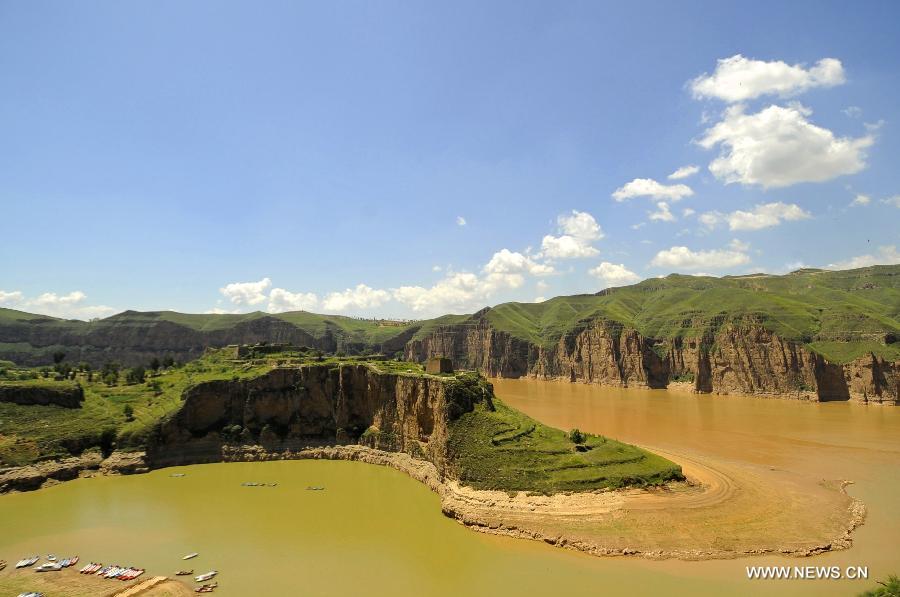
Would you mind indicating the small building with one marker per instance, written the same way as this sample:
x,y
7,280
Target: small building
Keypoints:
x,y
436,365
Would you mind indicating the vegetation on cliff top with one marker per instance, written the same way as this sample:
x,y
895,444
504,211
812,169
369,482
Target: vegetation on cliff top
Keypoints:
x,y
841,314
497,447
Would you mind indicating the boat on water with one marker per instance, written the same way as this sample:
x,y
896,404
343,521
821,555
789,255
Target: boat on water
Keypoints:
x,y
90,568
32,594
315,488
51,557
49,567
184,572
26,562
190,555
177,475
208,588
207,576
2,564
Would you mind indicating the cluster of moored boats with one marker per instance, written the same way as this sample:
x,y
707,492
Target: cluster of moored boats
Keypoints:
x,y
116,572
124,573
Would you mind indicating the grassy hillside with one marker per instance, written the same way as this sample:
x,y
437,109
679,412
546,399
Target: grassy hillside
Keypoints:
x,y
842,314
504,449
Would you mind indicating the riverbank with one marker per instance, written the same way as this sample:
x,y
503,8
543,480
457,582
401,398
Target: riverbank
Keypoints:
x,y
69,583
660,522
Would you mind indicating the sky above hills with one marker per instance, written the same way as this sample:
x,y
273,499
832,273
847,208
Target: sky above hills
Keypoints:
x,y
411,159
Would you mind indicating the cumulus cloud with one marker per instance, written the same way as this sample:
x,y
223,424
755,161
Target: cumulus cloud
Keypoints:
x,y
505,261
8,299
738,79
886,255
578,230
763,215
67,306
852,111
460,221
458,291
779,147
895,201
246,293
281,300
612,274
647,187
360,297
662,213
683,258
687,212
684,172
860,200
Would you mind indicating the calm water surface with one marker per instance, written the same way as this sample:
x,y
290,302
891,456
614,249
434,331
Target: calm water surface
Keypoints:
x,y
375,530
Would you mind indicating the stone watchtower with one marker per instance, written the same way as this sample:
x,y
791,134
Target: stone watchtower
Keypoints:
x,y
436,365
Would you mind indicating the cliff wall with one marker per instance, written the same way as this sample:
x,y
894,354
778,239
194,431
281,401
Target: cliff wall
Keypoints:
x,y
289,409
726,358
65,394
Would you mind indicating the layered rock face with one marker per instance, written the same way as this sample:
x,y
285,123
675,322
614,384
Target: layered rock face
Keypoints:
x,y
68,395
289,409
727,358
132,340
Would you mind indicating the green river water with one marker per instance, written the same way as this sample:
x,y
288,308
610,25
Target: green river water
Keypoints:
x,y
374,531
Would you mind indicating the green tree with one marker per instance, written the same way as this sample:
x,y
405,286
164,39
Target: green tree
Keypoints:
x,y
155,364
135,375
58,357
168,362
128,411
576,436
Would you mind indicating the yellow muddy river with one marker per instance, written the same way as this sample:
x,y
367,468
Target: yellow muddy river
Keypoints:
x,y
374,531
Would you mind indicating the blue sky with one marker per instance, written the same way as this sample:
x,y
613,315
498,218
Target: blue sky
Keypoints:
x,y
408,159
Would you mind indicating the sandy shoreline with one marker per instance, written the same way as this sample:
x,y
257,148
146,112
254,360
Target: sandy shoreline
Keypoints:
x,y
721,512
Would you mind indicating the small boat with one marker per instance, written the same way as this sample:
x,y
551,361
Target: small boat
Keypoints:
x,y
26,562
177,475
207,576
190,555
315,488
32,594
87,568
70,562
48,567
2,564
209,588
184,572
51,557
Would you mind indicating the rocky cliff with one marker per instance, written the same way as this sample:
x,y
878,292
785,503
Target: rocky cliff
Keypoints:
x,y
65,394
289,409
734,357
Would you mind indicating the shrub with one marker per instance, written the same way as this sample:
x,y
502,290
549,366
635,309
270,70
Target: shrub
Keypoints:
x,y
576,436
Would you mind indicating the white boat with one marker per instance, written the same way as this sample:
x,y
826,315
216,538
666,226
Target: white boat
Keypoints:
x,y
26,562
190,555
207,576
48,567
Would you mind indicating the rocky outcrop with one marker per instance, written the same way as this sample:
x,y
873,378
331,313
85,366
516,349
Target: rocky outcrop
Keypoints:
x,y
43,474
738,357
313,405
65,394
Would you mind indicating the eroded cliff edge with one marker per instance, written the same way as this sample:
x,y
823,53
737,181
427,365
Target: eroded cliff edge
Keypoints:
x,y
292,408
742,357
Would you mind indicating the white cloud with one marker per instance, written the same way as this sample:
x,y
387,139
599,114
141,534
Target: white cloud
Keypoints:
x,y
579,229
860,200
683,258
662,213
612,274
11,298
505,261
886,255
895,201
737,79
763,215
684,172
539,299
687,212
460,221
541,285
647,187
67,306
852,111
436,268
280,300
360,297
458,291
638,226
779,147
221,311
246,293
